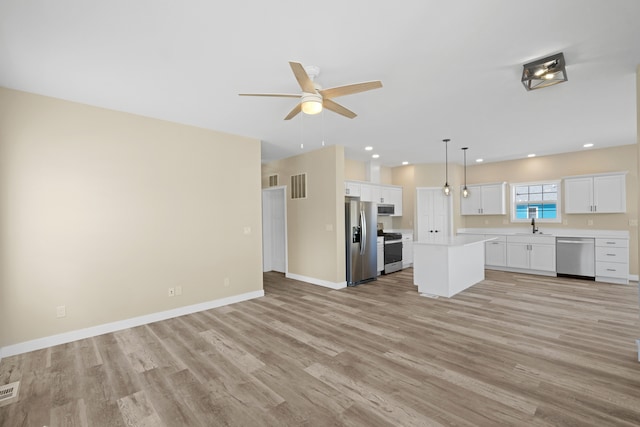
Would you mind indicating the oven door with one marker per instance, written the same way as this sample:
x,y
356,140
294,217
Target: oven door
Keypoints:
x,y
392,252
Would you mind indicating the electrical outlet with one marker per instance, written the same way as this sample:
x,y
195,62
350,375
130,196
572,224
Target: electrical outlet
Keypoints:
x,y
486,222
226,281
247,230
589,222
172,292
633,222
61,311
178,290
505,221
565,222
328,227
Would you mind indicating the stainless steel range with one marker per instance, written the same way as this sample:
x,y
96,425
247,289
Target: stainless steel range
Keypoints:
x,y
392,252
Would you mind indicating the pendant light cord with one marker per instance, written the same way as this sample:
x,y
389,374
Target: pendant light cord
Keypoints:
x,y
465,167
446,160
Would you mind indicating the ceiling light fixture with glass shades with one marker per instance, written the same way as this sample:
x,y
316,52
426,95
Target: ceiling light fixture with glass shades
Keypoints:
x,y
544,72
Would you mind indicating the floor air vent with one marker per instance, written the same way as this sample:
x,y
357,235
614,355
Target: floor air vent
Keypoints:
x,y
8,392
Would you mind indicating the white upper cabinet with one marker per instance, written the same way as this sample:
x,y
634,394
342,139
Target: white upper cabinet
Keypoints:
x,y
595,194
366,193
352,189
381,194
394,195
485,199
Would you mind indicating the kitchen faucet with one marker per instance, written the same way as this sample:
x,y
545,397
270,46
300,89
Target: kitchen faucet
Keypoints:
x,y
533,225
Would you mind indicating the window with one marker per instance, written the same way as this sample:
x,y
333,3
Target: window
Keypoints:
x,y
539,200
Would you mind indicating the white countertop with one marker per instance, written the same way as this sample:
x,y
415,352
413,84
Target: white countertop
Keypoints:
x,y
553,232
460,240
398,230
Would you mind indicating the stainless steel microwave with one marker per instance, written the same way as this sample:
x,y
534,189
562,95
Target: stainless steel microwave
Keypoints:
x,y
386,209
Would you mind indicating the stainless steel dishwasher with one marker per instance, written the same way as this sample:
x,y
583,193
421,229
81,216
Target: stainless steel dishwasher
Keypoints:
x,y
576,257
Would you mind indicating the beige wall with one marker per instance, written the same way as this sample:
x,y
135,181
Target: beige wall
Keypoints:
x,y
354,170
315,225
386,175
102,212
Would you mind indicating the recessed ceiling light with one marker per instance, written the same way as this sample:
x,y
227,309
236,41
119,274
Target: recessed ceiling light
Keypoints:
x,y
479,160
405,163
375,156
368,148
588,145
531,155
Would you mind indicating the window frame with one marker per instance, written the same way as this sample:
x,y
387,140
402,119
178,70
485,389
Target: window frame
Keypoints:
x,y
558,201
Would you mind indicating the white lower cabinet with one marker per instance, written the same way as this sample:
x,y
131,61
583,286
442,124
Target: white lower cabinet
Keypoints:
x,y
407,250
495,251
534,253
612,260
380,259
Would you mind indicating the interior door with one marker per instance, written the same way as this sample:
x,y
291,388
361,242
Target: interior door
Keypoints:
x,y
274,230
433,213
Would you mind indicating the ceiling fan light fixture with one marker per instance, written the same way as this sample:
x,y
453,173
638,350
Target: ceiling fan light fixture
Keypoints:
x,y
311,103
544,72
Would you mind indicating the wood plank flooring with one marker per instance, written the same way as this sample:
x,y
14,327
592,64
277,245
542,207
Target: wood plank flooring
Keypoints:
x,y
513,350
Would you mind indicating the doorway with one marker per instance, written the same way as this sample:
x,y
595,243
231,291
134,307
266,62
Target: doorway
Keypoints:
x,y
274,229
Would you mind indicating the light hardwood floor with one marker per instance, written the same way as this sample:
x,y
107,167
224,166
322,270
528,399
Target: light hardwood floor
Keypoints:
x,y
512,350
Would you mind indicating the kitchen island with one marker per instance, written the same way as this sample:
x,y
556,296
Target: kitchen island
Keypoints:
x,y
448,265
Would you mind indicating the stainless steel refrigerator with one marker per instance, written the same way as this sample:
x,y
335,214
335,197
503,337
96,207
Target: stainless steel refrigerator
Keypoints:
x,y
361,239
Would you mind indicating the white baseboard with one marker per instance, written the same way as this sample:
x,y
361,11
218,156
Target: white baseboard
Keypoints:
x,y
53,340
320,282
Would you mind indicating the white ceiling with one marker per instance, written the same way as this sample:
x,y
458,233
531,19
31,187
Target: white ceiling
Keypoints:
x,y
450,69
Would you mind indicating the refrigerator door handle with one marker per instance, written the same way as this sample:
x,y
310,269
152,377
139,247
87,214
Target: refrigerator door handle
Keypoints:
x,y
363,232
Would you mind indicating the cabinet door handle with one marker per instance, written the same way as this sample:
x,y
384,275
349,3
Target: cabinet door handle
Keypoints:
x,y
611,254
611,269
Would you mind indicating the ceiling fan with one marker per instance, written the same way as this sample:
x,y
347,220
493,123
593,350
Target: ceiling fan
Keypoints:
x,y
313,98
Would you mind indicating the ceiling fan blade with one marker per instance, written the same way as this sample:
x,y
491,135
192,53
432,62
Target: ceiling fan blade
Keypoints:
x,y
334,92
337,108
294,112
280,95
303,78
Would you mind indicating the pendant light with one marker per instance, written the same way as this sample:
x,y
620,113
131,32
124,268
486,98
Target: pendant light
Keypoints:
x,y
446,189
465,190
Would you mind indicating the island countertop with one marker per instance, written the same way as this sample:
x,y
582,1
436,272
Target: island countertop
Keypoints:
x,y
459,240
446,265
